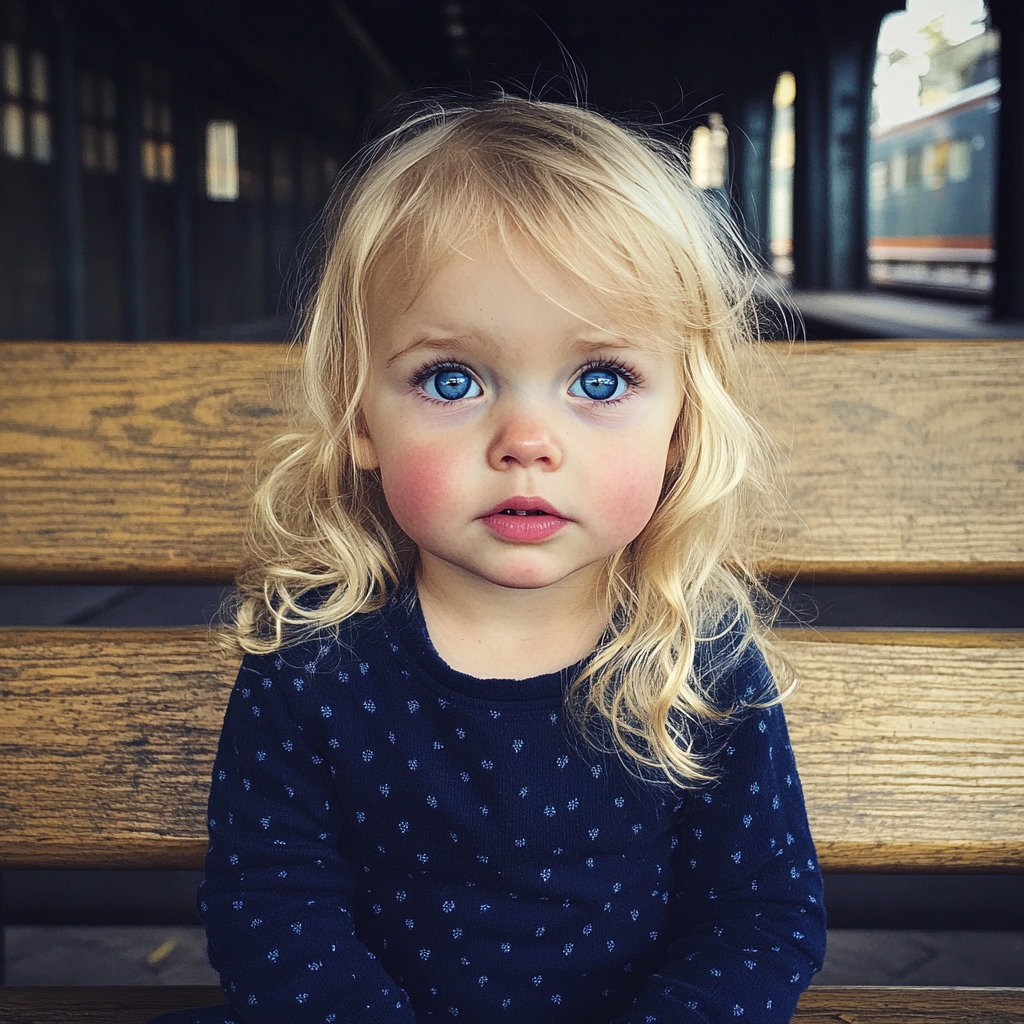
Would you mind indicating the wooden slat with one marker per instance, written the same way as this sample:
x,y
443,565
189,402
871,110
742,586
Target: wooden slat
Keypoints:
x,y
102,1004
856,1004
128,461
909,746
107,738
818,1005
907,459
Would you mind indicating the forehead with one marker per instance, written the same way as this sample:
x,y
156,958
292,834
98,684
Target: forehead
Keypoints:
x,y
490,275
486,294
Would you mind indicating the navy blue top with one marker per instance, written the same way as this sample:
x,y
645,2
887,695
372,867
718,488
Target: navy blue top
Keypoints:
x,y
392,841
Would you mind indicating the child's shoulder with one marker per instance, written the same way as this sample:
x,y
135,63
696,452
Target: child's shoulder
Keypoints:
x,y
330,649
731,665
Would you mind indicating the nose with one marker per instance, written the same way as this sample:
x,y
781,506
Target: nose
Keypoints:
x,y
523,439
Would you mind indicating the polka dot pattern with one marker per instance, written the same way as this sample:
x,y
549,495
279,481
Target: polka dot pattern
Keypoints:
x,y
393,841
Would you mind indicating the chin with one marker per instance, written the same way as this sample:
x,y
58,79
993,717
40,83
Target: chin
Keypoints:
x,y
526,577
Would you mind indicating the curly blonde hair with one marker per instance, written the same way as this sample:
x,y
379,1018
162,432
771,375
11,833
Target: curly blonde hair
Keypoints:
x,y
613,209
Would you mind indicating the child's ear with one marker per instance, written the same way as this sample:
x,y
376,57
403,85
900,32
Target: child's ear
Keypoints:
x,y
364,452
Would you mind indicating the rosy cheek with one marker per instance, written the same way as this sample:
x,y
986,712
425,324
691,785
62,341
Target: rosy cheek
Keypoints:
x,y
420,485
627,495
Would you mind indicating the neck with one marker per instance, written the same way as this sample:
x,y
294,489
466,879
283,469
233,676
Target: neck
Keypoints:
x,y
494,632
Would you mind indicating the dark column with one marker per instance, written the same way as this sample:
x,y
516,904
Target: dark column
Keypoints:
x,y
70,245
134,201
833,108
810,173
1008,301
750,145
186,137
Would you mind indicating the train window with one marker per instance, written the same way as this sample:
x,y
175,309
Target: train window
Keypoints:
x,y
708,153
898,172
879,181
913,173
157,124
960,160
222,160
934,165
97,104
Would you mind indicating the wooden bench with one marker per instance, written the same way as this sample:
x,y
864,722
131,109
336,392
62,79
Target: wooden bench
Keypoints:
x,y
128,463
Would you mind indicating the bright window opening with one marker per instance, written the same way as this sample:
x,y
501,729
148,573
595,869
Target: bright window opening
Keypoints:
x,y
932,167
97,104
27,125
709,147
157,124
222,160
783,156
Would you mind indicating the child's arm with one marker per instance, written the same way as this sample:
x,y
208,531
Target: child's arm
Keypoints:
x,y
277,897
750,891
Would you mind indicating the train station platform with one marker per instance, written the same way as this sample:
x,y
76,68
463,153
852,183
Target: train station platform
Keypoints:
x,y
838,315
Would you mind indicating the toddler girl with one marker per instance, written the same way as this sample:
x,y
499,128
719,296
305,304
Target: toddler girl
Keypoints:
x,y
503,746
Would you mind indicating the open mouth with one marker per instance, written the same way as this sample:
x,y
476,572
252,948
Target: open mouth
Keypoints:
x,y
524,512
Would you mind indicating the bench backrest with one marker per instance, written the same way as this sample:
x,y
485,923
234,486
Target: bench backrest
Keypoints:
x,y
129,462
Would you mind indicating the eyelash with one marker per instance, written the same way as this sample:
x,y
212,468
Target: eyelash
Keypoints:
x,y
627,373
422,375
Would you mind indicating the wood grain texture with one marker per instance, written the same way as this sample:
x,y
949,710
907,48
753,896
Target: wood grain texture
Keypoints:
x,y
107,738
903,460
102,1004
128,462
910,754
818,1005
910,748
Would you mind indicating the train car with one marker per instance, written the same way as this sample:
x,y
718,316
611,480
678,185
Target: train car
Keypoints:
x,y
932,197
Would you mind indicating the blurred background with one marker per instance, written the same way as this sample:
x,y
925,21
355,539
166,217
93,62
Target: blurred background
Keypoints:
x,y
163,167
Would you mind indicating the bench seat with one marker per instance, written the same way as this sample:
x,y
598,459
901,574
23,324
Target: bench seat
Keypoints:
x,y
818,1005
890,729
128,463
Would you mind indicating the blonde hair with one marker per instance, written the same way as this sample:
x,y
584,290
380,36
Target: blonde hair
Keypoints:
x,y
616,212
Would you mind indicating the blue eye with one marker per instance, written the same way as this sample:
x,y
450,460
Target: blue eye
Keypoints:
x,y
450,384
600,384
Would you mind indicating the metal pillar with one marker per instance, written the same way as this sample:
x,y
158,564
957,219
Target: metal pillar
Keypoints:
x,y
750,145
70,244
186,134
134,202
1008,300
833,104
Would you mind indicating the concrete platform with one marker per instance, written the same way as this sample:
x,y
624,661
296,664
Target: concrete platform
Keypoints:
x,y
141,955
843,315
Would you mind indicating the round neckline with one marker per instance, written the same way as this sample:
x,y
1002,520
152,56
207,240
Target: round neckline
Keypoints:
x,y
405,620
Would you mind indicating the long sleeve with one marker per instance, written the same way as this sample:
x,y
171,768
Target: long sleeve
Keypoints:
x,y
749,891
277,900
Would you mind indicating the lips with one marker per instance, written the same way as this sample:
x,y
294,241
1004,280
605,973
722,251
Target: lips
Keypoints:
x,y
524,520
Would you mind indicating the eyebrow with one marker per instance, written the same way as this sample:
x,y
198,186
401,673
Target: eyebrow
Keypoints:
x,y
437,344
456,343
